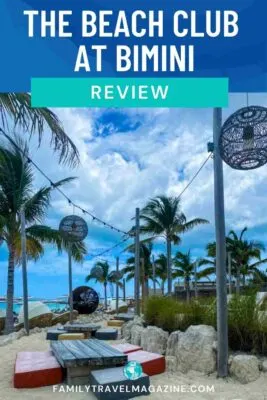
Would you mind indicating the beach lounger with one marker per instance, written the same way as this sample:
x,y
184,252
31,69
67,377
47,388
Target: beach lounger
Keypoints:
x,y
106,334
152,363
105,384
126,348
36,369
115,322
53,334
71,336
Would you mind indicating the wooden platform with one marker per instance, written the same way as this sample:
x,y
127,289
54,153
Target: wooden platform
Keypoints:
x,y
79,357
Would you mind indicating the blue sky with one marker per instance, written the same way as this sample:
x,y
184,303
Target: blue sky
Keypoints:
x,y
128,156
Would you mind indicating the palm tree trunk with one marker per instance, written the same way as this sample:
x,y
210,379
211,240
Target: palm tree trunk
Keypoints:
x,y
147,287
162,287
9,323
244,280
187,288
238,280
169,266
105,294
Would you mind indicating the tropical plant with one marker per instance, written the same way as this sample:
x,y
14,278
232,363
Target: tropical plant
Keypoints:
x,y
186,268
161,270
162,217
101,272
245,256
146,267
17,108
16,192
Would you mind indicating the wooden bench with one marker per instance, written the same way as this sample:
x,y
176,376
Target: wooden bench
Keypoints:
x,y
79,357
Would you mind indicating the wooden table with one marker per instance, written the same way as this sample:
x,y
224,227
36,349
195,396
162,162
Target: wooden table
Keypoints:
x,y
86,329
79,357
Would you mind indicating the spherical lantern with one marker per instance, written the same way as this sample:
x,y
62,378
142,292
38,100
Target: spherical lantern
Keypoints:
x,y
243,140
85,300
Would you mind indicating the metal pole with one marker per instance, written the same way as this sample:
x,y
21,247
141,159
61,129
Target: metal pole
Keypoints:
x,y
137,261
70,285
154,275
221,281
117,286
230,271
195,275
24,270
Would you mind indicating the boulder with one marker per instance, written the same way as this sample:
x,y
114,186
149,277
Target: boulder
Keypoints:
x,y
127,327
264,365
7,340
64,317
21,333
195,349
245,368
154,340
136,333
172,343
171,364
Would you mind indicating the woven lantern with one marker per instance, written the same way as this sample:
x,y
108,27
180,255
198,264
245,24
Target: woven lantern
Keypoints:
x,y
243,140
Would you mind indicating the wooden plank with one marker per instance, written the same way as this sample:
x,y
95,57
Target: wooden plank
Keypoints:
x,y
93,357
110,356
82,354
81,327
62,354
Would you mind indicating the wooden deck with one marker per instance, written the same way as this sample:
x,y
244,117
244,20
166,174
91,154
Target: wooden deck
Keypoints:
x,y
79,357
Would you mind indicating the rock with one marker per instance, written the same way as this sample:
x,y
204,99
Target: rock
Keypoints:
x,y
172,343
264,366
215,346
230,359
154,339
127,327
195,349
21,333
6,340
171,364
245,368
136,333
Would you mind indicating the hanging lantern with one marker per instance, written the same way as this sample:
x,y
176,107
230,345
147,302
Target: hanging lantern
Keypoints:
x,y
243,140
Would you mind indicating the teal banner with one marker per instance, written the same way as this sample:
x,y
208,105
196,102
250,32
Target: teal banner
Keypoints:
x,y
129,92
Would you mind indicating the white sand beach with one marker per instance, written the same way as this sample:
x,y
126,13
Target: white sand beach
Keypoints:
x,y
223,389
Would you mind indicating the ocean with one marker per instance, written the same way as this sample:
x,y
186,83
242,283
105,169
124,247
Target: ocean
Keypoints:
x,y
53,306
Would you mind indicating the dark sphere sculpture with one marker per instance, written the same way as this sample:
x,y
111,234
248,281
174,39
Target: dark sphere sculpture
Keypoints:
x,y
243,140
85,300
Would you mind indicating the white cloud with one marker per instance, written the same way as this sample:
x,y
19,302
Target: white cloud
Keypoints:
x,y
122,171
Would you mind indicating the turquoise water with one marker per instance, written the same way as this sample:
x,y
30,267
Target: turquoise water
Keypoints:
x,y
52,306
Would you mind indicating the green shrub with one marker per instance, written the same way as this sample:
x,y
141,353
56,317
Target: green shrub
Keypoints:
x,y
171,315
247,324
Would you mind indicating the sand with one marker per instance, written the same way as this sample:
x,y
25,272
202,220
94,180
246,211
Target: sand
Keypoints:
x,y
223,389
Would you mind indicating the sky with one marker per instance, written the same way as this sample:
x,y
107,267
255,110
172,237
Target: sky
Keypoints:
x,y
128,156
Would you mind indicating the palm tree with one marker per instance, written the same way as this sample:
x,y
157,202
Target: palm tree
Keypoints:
x,y
16,191
242,252
161,270
17,108
162,217
245,256
102,273
146,268
186,268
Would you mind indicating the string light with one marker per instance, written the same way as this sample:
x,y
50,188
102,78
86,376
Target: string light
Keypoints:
x,y
94,218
